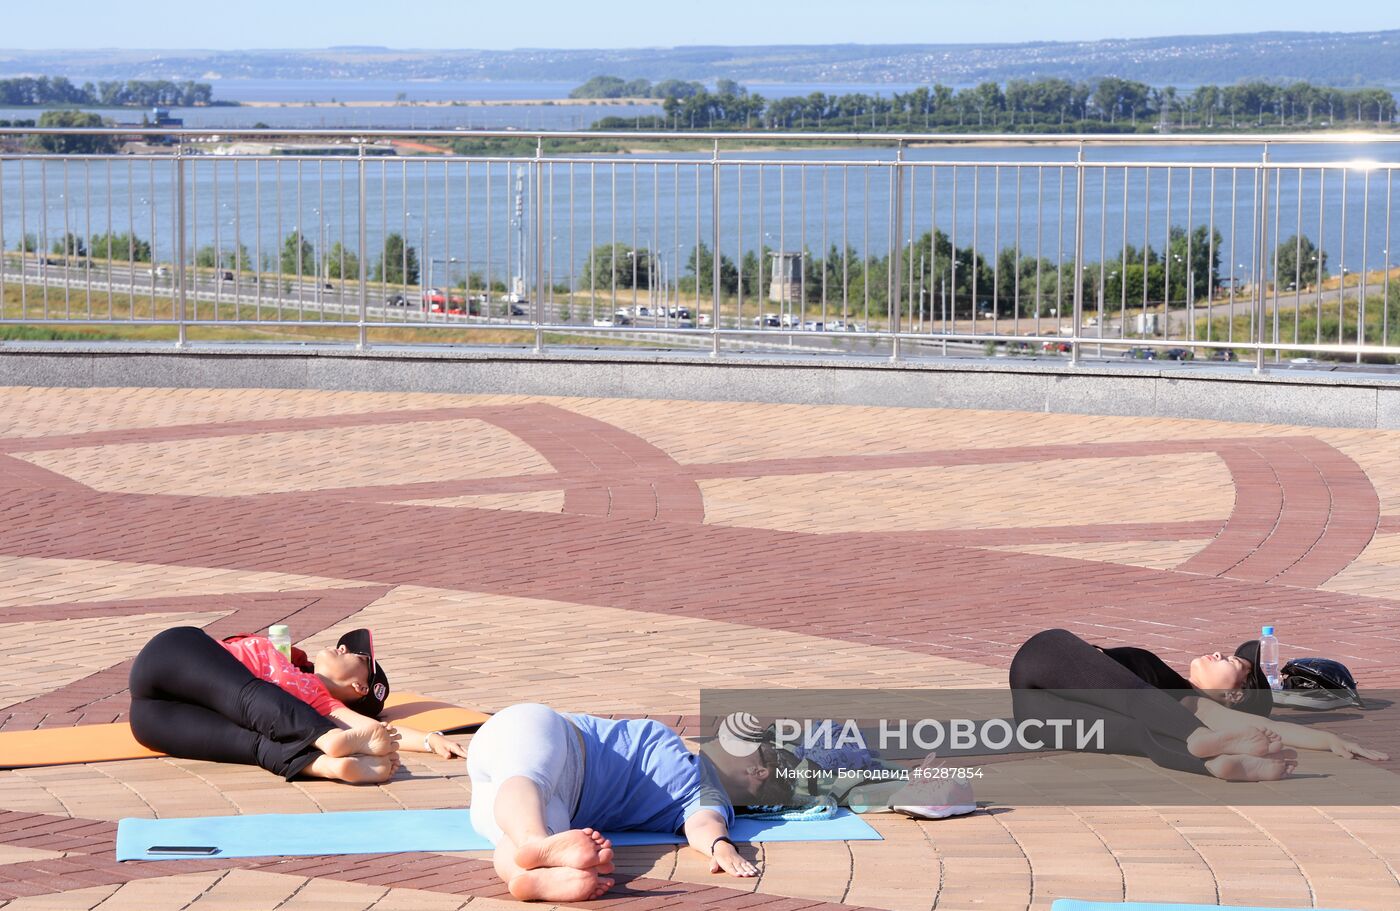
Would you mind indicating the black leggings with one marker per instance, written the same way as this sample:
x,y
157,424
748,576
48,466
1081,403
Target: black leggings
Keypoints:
x,y
191,698
1139,719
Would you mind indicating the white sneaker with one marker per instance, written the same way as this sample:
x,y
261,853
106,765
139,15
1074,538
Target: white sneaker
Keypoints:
x,y
935,798
937,812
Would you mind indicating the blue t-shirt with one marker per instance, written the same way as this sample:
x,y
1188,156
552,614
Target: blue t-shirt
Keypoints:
x,y
638,774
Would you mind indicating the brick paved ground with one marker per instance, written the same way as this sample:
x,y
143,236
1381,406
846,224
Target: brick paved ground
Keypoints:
x,y
615,556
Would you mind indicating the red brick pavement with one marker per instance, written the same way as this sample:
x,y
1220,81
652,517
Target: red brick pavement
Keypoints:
x,y
101,698
631,538
936,598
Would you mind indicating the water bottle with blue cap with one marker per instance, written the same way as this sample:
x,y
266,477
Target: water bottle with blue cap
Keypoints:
x,y
1268,658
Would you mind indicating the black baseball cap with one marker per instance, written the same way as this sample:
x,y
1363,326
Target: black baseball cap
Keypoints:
x,y
361,642
1258,695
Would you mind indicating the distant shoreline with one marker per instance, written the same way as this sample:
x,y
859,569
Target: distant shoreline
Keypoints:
x,y
462,103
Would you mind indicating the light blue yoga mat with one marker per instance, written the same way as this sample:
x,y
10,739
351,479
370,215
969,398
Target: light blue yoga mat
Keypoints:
x,y
396,831
1072,904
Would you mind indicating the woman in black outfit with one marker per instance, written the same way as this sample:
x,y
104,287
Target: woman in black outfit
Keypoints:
x,y
240,700
1214,721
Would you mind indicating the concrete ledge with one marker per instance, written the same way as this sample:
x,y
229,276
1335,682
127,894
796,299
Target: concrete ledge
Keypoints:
x,y
1327,397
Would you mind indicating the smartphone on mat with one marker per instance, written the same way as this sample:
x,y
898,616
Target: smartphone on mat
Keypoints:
x,y
201,850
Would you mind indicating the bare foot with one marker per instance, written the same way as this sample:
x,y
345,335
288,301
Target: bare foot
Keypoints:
x,y
1251,768
558,884
580,849
367,769
377,739
605,852
1205,743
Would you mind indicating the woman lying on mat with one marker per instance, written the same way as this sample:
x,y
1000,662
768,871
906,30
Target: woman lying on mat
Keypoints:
x,y
241,700
546,785
1214,721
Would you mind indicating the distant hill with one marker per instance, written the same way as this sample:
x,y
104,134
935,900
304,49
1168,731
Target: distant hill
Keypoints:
x,y
1328,58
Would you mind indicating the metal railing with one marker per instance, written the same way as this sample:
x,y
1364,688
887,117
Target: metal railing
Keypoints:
x,y
1266,247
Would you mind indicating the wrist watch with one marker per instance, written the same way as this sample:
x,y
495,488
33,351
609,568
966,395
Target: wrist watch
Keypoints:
x,y
426,738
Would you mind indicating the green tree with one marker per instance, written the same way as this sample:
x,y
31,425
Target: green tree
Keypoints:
x,y
29,243
125,247
72,145
753,288
609,263
207,257
1300,262
398,263
728,272
298,255
602,87
342,263
966,278
69,244
1193,259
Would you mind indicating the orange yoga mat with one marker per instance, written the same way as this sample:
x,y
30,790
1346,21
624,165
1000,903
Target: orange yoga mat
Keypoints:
x,y
107,742
427,714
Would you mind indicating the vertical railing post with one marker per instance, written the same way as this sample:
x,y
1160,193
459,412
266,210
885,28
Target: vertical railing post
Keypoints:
x,y
715,258
363,340
539,243
1077,320
897,245
1261,266
182,336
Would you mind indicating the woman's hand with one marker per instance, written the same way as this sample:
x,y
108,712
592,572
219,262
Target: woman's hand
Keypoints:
x,y
726,857
444,748
1349,750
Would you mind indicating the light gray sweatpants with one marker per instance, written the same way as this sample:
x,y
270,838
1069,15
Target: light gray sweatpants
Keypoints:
x,y
527,740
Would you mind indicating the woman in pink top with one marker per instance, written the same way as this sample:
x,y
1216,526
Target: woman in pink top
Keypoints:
x,y
243,701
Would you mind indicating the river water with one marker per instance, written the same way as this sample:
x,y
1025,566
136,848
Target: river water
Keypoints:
x,y
993,197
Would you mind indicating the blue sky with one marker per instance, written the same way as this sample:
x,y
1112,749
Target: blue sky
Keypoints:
x,y
635,23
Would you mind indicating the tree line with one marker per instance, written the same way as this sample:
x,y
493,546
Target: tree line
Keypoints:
x,y
44,90
1043,105
396,264
936,279
615,87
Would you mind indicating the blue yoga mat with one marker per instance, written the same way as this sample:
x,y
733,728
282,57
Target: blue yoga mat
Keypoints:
x,y
395,831
1073,904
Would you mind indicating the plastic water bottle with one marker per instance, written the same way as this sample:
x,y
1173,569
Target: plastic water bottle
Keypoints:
x,y
280,635
1268,658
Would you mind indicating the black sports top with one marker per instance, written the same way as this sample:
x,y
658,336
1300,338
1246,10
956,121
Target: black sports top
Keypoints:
x,y
1148,667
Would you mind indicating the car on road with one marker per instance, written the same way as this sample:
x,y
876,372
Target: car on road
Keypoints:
x,y
1178,354
813,326
603,322
226,276
769,320
1224,354
1140,354
396,300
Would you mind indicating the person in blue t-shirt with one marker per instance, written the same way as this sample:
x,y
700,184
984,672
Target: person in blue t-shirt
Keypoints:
x,y
545,785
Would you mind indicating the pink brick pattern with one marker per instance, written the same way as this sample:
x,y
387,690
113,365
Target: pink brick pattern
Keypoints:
x,y
627,552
